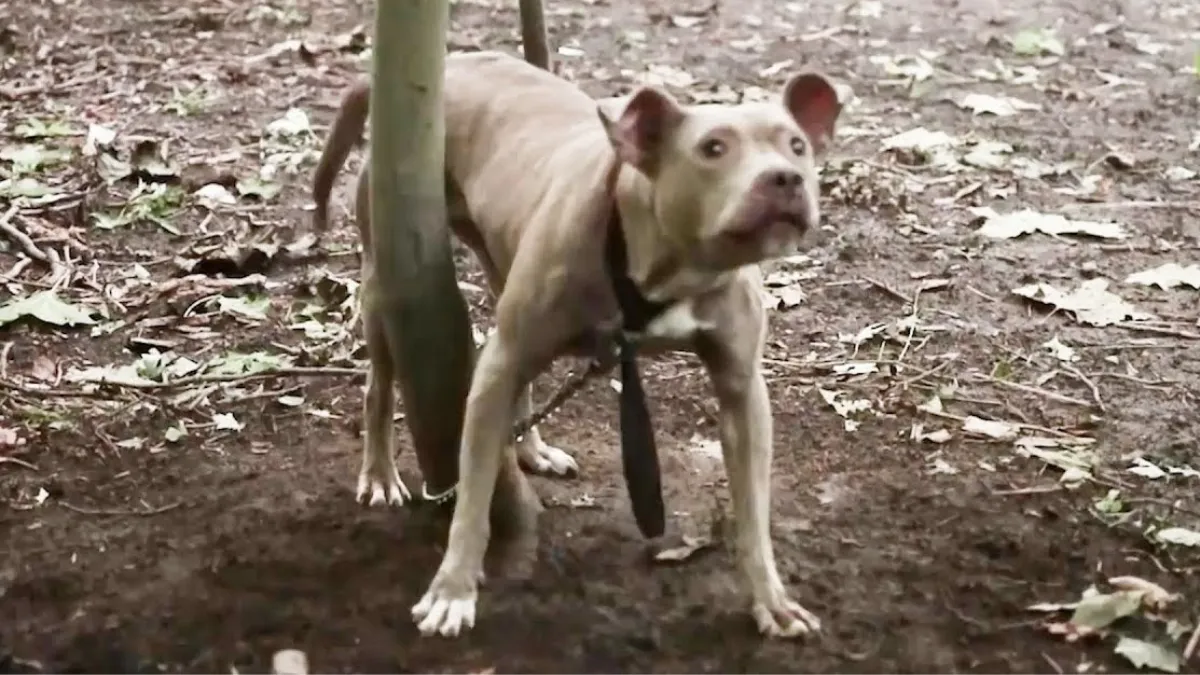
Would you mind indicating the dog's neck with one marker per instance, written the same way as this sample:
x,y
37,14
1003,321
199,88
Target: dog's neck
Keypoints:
x,y
659,271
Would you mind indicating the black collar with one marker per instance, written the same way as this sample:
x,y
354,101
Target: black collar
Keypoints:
x,y
639,454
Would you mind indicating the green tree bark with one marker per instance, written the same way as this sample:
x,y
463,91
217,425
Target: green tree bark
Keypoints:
x,y
426,321
425,316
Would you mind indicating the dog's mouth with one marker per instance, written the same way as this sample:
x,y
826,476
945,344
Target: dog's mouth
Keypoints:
x,y
767,222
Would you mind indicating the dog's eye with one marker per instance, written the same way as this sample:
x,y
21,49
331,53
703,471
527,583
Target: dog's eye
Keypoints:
x,y
713,148
798,146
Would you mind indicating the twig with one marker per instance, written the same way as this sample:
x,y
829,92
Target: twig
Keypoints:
x,y
1191,645
1159,330
1162,502
4,359
1030,389
120,512
1035,490
887,289
31,249
1020,425
1090,384
184,382
906,383
1053,664
18,462
1140,380
1137,204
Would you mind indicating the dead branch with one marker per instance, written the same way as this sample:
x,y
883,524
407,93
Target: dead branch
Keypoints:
x,y
1038,391
9,229
120,512
184,382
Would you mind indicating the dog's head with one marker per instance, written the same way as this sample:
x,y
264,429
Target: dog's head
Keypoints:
x,y
731,185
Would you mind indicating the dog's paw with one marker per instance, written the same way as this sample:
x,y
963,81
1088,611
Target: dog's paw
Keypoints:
x,y
783,617
382,487
540,458
448,607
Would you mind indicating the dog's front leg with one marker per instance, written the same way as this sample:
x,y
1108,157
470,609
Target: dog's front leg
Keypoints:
x,y
448,606
735,365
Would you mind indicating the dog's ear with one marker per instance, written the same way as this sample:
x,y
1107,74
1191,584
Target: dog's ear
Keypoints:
x,y
813,103
638,133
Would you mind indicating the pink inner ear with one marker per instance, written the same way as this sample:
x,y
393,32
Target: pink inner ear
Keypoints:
x,y
643,126
814,105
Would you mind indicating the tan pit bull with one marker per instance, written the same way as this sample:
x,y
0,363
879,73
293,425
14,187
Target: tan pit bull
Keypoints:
x,y
534,168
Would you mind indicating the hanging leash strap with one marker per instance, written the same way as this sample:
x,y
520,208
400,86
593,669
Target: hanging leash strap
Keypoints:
x,y
639,453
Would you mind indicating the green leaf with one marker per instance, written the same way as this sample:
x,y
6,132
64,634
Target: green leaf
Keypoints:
x,y
252,308
35,128
1144,654
1099,610
23,187
46,307
256,187
29,157
238,363
1037,42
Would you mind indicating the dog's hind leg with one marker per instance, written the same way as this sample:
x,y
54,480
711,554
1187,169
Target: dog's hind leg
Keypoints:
x,y
534,454
379,480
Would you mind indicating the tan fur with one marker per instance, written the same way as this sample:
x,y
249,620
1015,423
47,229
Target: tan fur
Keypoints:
x,y
526,161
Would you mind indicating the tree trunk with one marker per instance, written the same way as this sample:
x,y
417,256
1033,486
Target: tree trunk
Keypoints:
x,y
533,34
425,315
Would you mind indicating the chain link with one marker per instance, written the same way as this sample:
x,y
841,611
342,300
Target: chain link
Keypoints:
x,y
568,389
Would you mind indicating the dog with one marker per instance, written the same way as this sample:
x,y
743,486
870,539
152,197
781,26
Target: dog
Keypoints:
x,y
535,171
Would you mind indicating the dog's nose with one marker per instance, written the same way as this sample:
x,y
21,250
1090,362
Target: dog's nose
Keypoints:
x,y
784,180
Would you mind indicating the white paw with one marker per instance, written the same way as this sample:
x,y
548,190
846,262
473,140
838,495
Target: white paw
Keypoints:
x,y
543,459
375,489
447,608
785,618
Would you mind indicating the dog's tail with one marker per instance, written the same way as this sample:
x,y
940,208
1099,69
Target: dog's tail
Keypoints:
x,y
346,131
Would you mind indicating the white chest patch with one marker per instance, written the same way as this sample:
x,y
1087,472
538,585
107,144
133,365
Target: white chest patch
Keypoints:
x,y
678,322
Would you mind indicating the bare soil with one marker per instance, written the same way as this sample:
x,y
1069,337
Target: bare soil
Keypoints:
x,y
211,552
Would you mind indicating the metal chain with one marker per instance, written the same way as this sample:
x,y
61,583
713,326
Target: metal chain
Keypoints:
x,y
568,389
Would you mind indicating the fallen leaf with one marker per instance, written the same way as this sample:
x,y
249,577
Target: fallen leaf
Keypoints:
x,y
1102,609
213,194
1037,42
1180,536
1091,303
293,123
691,546
919,140
1028,221
1001,431
227,422
1001,106
1145,469
1060,351
45,306
1167,276
1143,654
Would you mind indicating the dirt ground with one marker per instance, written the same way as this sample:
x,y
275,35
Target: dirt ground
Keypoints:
x,y
200,526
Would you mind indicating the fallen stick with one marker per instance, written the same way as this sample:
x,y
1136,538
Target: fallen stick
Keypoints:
x,y
120,512
20,238
184,382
